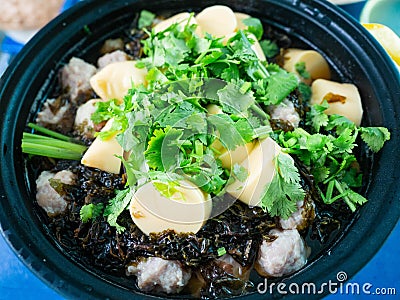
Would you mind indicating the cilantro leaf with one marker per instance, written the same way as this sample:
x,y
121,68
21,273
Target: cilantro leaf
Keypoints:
x,y
320,173
145,19
167,188
183,115
282,193
254,26
286,168
91,211
316,142
353,178
233,101
206,172
305,91
104,111
163,151
229,136
356,197
375,137
176,50
300,68
240,172
275,199
245,129
316,117
116,206
340,123
345,142
280,85
269,48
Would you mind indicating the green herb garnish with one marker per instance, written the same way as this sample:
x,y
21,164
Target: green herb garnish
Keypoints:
x,y
269,48
91,211
281,195
145,19
301,70
165,123
330,155
221,251
116,206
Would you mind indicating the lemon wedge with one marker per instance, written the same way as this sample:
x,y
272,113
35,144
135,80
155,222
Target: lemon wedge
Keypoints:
x,y
389,40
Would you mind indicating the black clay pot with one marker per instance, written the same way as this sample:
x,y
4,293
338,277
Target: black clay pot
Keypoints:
x,y
352,53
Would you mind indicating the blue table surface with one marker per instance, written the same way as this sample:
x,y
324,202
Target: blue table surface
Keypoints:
x,y
383,271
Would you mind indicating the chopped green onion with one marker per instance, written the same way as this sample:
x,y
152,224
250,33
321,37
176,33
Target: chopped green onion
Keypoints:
x,y
245,87
29,137
50,132
198,148
49,151
55,145
221,251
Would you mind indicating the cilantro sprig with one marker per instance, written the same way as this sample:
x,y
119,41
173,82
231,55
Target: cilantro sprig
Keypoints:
x,y
327,150
91,211
180,54
146,18
281,195
112,210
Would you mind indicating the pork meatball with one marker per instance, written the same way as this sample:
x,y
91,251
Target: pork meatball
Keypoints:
x,y
160,275
75,78
112,57
47,197
285,255
111,45
83,123
301,218
285,111
231,266
53,113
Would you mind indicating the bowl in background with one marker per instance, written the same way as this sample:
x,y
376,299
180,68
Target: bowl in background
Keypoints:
x,y
353,7
386,12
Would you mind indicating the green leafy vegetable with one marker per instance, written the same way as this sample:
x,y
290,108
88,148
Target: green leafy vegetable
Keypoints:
x,y
254,26
145,19
279,85
167,189
317,117
91,211
229,136
375,137
221,251
164,149
330,155
116,206
281,195
300,68
166,123
240,172
233,101
269,48
305,91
